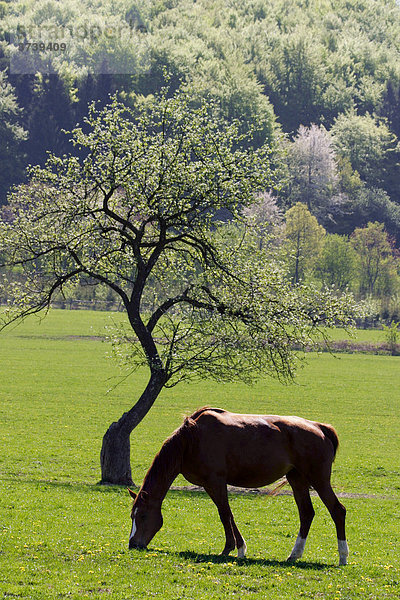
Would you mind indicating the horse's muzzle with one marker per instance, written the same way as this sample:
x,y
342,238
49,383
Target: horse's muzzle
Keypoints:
x,y
136,546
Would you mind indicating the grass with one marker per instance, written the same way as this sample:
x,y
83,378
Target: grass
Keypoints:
x,y
374,336
62,536
55,550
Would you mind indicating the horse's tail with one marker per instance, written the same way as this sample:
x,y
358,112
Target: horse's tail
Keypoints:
x,y
331,434
278,488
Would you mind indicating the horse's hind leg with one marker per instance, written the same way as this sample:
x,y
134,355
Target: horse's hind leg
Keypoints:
x,y
219,495
301,494
338,514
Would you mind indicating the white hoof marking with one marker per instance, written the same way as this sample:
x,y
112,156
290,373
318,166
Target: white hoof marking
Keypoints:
x,y
343,552
242,550
298,548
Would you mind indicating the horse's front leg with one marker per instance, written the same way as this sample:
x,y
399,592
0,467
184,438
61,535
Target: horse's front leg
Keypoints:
x,y
233,538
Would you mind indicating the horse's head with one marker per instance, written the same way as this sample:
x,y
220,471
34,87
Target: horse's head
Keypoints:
x,y
146,520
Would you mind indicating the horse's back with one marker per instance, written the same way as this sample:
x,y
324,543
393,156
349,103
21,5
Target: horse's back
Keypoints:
x,y
255,450
211,421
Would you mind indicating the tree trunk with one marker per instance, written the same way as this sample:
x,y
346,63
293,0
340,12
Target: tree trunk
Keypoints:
x,y
115,456
115,451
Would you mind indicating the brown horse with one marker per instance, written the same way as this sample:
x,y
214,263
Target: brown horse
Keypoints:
x,y
213,448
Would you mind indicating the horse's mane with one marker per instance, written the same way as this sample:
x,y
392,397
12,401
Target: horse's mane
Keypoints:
x,y
167,462
203,409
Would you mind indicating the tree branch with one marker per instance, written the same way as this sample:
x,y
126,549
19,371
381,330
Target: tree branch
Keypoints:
x,y
45,301
100,278
164,308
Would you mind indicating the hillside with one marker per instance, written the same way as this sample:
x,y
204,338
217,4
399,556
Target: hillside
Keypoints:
x,y
331,69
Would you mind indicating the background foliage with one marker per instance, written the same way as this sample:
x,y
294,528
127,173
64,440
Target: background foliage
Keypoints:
x,y
319,80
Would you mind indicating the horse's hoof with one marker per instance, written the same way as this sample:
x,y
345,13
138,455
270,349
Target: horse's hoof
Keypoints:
x,y
291,559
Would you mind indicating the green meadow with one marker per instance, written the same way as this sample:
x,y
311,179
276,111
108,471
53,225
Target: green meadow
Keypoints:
x,y
63,536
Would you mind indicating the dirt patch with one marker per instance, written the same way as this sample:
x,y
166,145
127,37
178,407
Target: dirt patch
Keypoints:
x,y
338,346
95,338
268,492
351,346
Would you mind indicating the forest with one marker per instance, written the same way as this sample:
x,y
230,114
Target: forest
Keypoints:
x,y
320,80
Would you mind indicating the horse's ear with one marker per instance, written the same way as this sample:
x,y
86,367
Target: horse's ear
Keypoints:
x,y
132,494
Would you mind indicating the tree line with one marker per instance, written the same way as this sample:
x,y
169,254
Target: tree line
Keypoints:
x,y
366,262
319,82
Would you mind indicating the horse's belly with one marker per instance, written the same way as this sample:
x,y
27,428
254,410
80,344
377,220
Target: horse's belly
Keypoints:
x,y
253,477
194,479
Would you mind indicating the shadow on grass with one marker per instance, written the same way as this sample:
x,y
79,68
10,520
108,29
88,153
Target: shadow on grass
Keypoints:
x,y
219,559
72,486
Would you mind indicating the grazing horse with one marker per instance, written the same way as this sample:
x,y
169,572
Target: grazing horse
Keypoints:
x,y
214,447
